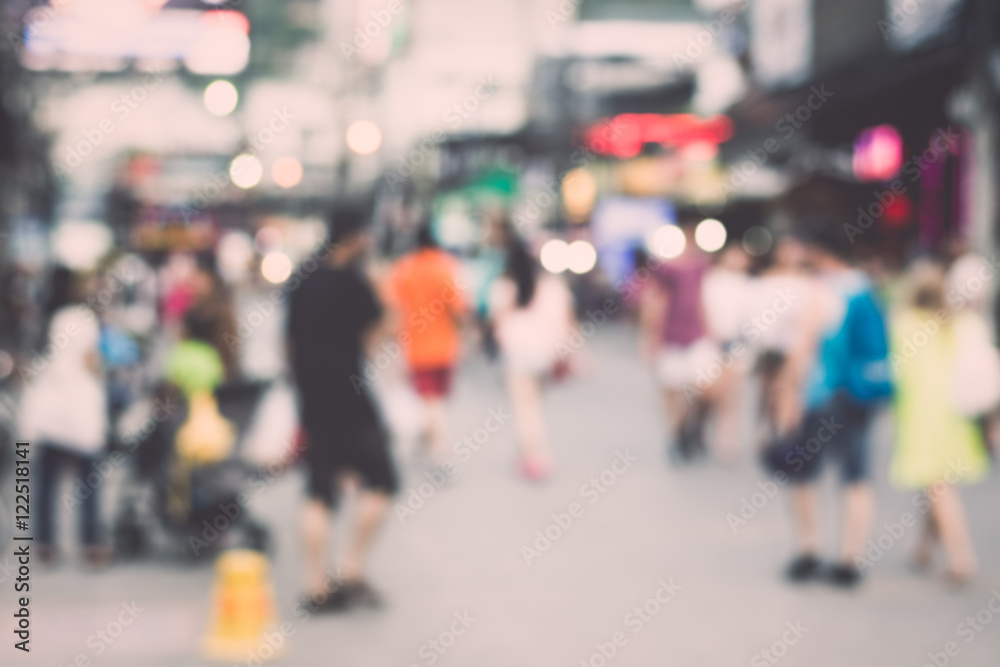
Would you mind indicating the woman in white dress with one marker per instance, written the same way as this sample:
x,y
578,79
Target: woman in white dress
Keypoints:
x,y
532,314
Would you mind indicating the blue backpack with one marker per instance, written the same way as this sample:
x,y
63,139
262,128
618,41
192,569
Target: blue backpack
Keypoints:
x,y
866,371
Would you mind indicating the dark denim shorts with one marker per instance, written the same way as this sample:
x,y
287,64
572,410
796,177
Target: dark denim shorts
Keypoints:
x,y
837,430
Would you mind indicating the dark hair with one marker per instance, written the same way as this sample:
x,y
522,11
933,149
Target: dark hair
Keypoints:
x,y
207,264
688,218
199,324
928,298
425,236
639,258
825,234
346,220
61,291
522,269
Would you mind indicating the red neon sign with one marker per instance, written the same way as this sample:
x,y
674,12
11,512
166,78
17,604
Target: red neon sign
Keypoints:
x,y
625,134
227,20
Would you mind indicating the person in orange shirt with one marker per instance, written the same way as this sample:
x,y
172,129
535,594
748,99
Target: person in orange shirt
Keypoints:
x,y
430,305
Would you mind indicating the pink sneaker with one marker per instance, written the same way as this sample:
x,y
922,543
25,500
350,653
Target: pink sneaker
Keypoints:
x,y
536,468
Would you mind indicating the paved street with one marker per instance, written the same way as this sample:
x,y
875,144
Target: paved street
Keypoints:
x,y
463,555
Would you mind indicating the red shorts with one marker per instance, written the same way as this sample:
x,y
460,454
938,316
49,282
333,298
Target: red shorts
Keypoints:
x,y
432,382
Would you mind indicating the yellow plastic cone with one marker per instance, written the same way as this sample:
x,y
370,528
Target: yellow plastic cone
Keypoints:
x,y
243,621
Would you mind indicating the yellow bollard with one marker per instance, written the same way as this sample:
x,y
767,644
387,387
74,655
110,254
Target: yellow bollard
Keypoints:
x,y
242,610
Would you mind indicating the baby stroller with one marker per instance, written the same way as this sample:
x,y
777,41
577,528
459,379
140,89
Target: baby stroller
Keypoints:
x,y
181,504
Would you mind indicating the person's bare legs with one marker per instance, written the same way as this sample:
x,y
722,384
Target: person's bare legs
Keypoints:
x,y
859,509
805,511
372,506
949,515
437,427
529,421
677,406
729,416
924,554
315,531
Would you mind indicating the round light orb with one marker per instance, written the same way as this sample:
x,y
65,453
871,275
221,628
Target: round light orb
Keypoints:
x,y
246,171
582,257
276,267
554,256
286,172
710,235
757,241
667,242
363,137
221,97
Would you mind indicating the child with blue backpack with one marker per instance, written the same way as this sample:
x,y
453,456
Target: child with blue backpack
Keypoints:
x,y
839,374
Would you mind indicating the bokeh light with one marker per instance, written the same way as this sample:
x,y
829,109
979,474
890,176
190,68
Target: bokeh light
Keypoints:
x,y
667,242
221,97
246,171
286,172
579,190
757,241
710,235
79,244
581,257
234,254
363,137
554,256
878,153
276,267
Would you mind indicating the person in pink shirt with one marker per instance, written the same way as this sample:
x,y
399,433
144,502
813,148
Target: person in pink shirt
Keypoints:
x,y
675,338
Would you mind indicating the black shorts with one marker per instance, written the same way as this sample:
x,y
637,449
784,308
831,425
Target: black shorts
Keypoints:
x,y
364,451
838,429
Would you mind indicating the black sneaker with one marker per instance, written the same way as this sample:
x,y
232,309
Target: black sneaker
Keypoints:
x,y
843,575
334,600
803,568
679,448
361,594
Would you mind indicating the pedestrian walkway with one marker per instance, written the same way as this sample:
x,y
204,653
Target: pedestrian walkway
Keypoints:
x,y
620,559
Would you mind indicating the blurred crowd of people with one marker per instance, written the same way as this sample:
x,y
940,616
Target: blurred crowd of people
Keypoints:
x,y
819,337
787,358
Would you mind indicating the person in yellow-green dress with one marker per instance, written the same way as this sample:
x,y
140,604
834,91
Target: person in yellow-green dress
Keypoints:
x,y
937,448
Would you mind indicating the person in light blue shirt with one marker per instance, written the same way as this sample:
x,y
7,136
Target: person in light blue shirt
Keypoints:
x,y
841,364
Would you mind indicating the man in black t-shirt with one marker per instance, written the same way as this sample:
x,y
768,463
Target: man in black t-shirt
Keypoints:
x,y
332,316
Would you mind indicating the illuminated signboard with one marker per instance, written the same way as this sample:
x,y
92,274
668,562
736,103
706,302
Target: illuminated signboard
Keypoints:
x,y
910,23
625,134
101,35
781,41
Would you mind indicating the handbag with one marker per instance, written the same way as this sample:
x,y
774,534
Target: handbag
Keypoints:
x,y
793,453
976,373
776,454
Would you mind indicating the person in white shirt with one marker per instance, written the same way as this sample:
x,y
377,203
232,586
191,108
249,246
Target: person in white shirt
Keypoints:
x,y
63,413
726,290
532,314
